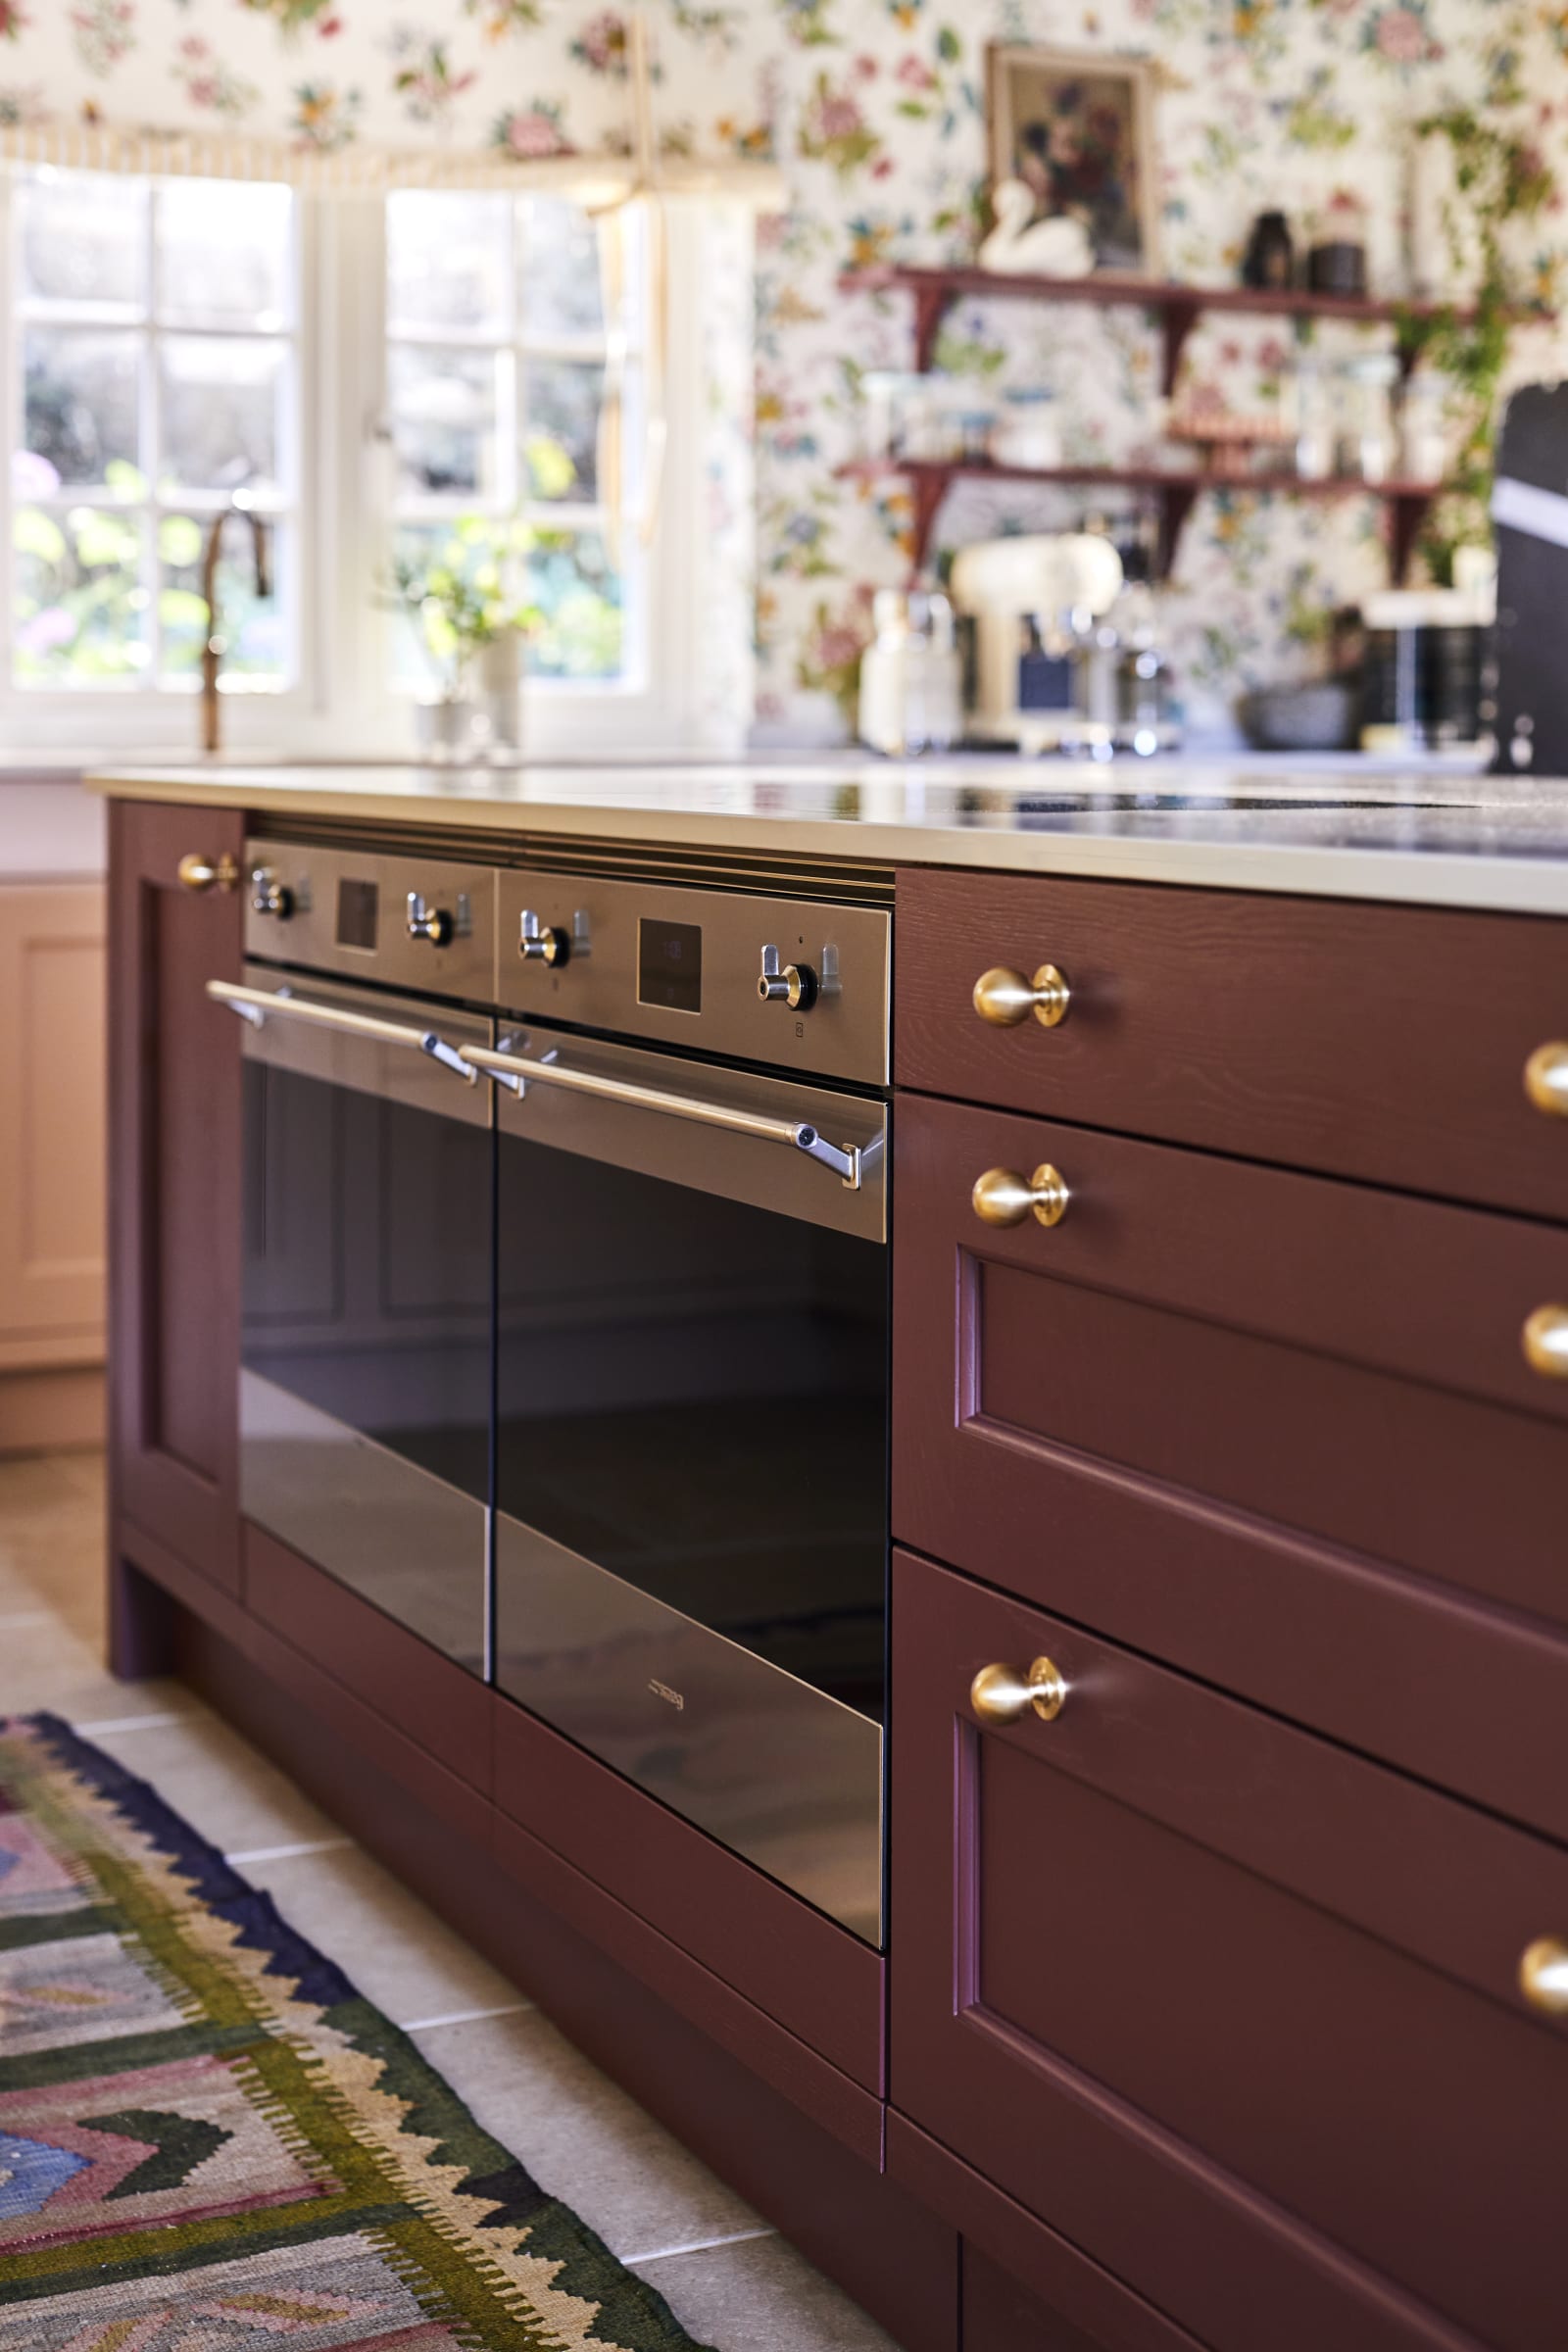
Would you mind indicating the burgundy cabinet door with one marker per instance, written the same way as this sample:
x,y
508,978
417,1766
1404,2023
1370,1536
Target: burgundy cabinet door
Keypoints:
x,y
1276,1429
175,1173
1232,2009
1385,1042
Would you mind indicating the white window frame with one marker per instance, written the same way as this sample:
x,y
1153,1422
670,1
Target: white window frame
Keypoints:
x,y
514,350
340,704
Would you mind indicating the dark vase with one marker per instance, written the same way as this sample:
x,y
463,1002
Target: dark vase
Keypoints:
x,y
1270,262
1337,267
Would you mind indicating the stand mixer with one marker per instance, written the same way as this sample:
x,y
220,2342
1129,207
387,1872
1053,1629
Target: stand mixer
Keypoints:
x,y
1029,602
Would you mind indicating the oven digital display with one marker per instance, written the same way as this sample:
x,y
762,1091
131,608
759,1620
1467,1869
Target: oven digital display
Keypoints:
x,y
356,913
670,965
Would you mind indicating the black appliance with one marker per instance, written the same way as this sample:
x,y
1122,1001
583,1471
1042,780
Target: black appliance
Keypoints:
x,y
1530,516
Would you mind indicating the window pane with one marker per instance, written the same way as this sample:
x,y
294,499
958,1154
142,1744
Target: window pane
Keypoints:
x,y
582,626
421,650
83,237
443,419
224,250
219,424
447,261
559,287
79,606
251,625
82,401
561,429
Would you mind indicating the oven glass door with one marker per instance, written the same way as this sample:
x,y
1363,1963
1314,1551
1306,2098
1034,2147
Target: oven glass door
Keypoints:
x,y
364,1396
691,1458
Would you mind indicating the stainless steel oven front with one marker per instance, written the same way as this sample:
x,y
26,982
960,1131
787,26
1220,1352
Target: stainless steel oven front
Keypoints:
x,y
565,1320
691,1531
366,1248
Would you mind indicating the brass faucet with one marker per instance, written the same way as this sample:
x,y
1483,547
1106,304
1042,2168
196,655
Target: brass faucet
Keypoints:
x,y
216,644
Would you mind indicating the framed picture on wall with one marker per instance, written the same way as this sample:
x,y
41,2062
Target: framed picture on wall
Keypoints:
x,y
1077,129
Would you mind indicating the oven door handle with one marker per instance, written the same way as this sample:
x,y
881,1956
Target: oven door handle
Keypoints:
x,y
258,1006
510,1070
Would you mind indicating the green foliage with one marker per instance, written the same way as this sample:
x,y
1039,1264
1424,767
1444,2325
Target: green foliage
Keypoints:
x,y
469,589
1500,179
78,596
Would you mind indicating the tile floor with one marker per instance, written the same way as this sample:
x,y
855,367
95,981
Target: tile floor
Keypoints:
x,y
731,2279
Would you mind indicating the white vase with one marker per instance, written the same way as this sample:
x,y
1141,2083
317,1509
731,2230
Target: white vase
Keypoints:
x,y
444,725
497,674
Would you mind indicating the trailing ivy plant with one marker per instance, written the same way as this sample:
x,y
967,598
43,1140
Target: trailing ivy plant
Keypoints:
x,y
1500,179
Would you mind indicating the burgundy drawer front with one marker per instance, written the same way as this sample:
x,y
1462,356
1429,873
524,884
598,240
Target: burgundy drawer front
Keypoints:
x,y
1001,2316
1261,1345
1386,1043
1190,1941
1031,2268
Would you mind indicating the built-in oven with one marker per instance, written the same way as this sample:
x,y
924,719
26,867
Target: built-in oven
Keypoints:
x,y
566,1309
364,1404
691,1551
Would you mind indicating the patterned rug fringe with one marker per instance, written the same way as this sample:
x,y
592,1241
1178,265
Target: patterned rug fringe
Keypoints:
x,y
202,2122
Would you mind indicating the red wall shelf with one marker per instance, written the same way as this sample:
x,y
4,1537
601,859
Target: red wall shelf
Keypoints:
x,y
1178,309
1177,488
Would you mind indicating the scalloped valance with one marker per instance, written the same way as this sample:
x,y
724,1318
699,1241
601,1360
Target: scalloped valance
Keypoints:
x,y
345,96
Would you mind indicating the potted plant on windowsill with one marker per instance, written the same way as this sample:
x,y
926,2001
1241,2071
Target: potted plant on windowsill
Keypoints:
x,y
468,598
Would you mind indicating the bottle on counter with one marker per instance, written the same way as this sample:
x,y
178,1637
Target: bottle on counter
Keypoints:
x,y
912,688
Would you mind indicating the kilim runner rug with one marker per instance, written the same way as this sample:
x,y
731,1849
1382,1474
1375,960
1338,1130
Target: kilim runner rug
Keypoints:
x,y
208,2142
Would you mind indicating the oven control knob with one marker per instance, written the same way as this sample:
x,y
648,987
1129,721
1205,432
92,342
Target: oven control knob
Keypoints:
x,y
791,984
270,895
428,922
541,943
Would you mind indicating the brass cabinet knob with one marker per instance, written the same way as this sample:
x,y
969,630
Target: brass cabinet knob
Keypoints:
x,y
999,1695
1005,997
1546,1079
197,872
1546,1342
1000,1197
1544,1975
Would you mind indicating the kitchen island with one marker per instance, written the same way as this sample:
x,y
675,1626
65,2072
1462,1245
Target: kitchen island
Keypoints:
x,y
1220,1995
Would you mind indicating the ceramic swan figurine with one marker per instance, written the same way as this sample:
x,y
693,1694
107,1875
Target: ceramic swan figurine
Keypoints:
x,y
1054,248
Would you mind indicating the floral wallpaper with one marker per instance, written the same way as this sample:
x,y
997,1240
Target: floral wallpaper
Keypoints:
x,y
875,108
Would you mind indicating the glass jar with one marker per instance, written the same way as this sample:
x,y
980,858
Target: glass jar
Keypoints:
x,y
931,410
1366,441
1314,404
882,400
1026,433
1423,430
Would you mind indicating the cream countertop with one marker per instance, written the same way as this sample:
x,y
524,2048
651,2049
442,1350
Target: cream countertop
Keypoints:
x,y
1341,828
